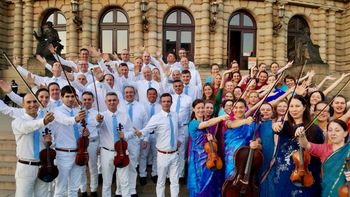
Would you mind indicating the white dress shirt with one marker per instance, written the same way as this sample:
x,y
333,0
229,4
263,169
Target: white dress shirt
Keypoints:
x,y
193,91
13,112
23,127
62,127
159,124
142,87
91,122
139,114
106,128
185,108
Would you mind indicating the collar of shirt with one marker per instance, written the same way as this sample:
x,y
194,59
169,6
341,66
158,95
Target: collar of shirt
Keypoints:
x,y
164,113
132,102
69,109
29,117
111,113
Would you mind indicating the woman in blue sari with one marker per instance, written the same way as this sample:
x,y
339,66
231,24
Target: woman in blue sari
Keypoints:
x,y
298,115
202,181
239,133
333,155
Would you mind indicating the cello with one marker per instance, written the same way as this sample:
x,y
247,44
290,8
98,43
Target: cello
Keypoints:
x,y
213,160
247,164
47,170
82,157
121,159
344,190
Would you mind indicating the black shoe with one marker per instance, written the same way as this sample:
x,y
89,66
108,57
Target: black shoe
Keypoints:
x,y
143,181
154,179
84,194
100,179
93,194
182,181
134,195
118,196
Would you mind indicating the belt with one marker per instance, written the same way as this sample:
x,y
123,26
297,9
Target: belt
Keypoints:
x,y
32,163
167,152
66,150
108,149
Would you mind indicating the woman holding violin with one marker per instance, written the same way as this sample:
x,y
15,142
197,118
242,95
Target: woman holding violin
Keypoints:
x,y
289,157
204,163
333,155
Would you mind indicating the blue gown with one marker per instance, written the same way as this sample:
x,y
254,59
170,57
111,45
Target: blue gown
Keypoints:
x,y
284,165
234,139
201,182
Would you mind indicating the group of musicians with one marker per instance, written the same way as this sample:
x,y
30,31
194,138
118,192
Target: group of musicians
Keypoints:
x,y
264,134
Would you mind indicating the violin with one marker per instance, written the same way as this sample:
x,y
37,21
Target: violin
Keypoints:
x,y
343,191
82,157
247,164
213,160
301,176
121,159
47,170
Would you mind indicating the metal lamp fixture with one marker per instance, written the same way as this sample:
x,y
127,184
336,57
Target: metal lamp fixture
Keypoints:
x,y
143,7
214,11
75,10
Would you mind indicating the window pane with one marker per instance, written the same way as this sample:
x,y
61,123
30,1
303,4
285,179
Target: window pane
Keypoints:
x,y
185,19
171,36
108,18
121,18
248,44
107,41
170,41
235,20
122,40
186,37
63,37
60,19
171,18
50,18
247,21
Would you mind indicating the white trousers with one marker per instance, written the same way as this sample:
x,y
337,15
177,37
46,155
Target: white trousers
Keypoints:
x,y
69,174
150,150
168,163
108,167
92,149
132,181
183,152
27,183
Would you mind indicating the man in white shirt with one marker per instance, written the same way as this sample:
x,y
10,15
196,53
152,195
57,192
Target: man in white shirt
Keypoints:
x,y
28,132
169,138
189,89
66,131
137,114
182,105
125,58
195,77
109,134
94,143
148,144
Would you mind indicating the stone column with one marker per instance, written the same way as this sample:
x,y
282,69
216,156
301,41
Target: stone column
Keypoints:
x,y
203,54
28,30
152,27
86,18
268,32
72,33
138,35
17,29
321,32
331,36
217,37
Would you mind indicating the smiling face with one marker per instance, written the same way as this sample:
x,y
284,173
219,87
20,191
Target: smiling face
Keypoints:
x,y
208,91
339,105
315,98
296,109
281,108
266,112
274,68
209,109
335,133
324,115
30,105
239,110
199,111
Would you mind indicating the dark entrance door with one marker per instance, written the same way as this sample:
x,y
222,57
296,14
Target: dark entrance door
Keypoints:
x,y
235,47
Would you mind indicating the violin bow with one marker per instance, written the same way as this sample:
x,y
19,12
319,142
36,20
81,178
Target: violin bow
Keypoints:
x,y
295,87
93,80
24,81
319,113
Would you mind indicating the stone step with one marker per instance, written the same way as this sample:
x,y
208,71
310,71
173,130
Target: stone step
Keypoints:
x,y
8,155
7,136
7,193
7,168
7,182
7,145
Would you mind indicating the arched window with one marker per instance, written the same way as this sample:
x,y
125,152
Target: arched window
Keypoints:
x,y
59,23
297,28
114,31
178,32
241,38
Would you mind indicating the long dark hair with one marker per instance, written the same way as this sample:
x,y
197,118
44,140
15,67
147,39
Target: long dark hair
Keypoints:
x,y
306,114
194,104
212,97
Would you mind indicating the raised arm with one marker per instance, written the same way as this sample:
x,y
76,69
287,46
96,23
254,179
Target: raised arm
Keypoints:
x,y
213,121
335,84
238,123
288,65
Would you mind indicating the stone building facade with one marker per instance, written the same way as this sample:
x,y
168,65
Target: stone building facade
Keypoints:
x,y
236,30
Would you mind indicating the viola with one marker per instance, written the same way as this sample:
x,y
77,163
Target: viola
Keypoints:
x,y
82,157
301,176
121,159
213,160
247,164
47,170
343,191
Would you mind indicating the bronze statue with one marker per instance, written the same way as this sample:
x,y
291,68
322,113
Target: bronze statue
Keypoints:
x,y
48,36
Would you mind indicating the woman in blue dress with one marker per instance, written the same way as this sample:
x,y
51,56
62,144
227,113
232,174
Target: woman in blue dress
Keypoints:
x,y
239,133
202,181
298,115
